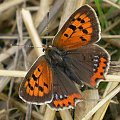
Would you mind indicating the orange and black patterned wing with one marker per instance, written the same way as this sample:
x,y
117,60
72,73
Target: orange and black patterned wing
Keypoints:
x,y
65,93
36,87
88,64
80,29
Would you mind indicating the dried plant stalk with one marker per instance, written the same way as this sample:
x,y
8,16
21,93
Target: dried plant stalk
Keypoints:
x,y
21,107
32,32
49,114
90,100
9,4
102,102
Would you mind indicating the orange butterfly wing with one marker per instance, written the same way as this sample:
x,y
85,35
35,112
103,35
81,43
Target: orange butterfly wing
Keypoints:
x,y
80,29
37,84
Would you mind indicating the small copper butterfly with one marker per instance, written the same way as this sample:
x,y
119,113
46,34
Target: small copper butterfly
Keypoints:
x,y
73,57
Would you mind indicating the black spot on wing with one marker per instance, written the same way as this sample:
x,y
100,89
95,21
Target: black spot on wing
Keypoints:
x,y
63,105
101,73
82,21
38,69
103,67
40,88
80,27
34,77
36,85
45,85
79,19
85,31
31,88
82,38
28,80
69,103
72,27
105,62
66,35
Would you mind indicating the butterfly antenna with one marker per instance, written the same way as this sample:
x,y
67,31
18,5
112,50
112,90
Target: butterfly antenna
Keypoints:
x,y
25,45
48,16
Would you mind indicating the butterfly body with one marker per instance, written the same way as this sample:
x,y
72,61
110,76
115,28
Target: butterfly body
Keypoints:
x,y
72,58
54,55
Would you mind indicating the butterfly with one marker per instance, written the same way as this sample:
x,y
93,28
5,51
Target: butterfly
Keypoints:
x,y
72,58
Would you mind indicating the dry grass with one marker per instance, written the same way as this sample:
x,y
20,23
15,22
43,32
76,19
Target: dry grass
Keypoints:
x,y
14,59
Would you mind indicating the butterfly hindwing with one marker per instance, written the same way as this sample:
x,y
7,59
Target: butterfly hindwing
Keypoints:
x,y
65,93
37,84
88,64
80,29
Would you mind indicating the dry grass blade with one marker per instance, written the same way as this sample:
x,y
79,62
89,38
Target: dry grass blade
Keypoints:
x,y
112,39
15,73
9,4
101,112
12,73
90,100
43,10
13,29
110,36
11,85
57,5
21,107
49,114
112,3
20,33
42,109
102,102
32,32
65,114
112,26
10,51
28,112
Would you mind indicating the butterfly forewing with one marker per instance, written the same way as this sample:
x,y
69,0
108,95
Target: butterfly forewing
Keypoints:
x,y
37,84
87,64
80,29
